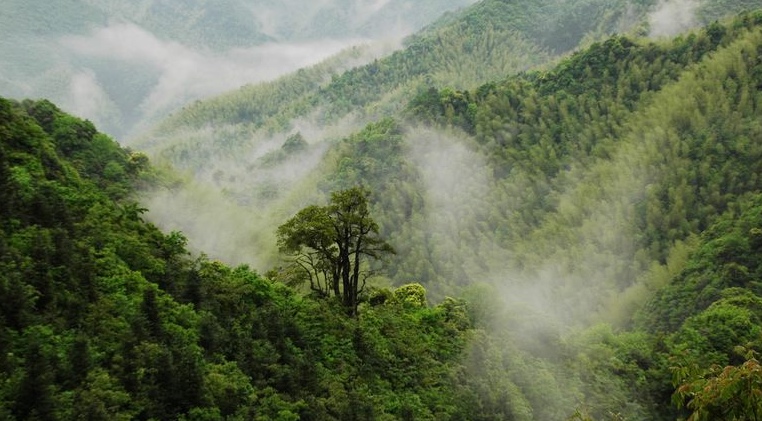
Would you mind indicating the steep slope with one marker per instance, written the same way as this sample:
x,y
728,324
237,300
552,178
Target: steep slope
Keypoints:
x,y
536,136
638,127
102,316
603,185
221,142
484,42
627,174
502,37
101,313
607,169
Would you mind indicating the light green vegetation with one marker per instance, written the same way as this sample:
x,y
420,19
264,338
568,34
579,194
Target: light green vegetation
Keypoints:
x,y
222,140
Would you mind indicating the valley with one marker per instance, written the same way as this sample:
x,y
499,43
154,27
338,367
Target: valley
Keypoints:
x,y
567,195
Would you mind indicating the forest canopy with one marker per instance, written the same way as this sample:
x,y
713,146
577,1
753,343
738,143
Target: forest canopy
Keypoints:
x,y
599,220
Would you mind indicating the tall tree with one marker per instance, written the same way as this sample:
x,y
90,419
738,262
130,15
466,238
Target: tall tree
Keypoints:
x,y
330,244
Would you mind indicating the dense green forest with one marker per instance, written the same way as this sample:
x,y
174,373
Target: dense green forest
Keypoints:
x,y
105,317
596,214
502,37
223,142
564,201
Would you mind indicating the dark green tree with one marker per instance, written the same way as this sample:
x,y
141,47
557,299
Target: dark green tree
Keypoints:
x,y
294,143
330,244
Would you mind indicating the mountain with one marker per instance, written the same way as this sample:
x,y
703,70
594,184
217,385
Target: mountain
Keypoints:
x,y
600,204
502,37
481,43
594,203
557,198
126,65
222,140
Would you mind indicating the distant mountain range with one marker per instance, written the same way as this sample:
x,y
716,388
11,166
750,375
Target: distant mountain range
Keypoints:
x,y
126,64
224,141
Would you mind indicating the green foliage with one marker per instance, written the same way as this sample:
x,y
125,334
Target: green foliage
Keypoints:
x,y
441,54
372,158
413,295
294,143
620,154
732,392
723,269
122,86
627,173
702,316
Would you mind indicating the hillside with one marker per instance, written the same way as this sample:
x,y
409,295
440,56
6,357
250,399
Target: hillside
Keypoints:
x,y
226,145
102,313
609,171
502,37
556,199
105,317
592,200
484,42
222,141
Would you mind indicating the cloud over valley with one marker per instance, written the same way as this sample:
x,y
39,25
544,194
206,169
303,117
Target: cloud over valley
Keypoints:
x,y
182,73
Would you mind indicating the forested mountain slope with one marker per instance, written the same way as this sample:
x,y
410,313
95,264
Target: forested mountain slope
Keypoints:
x,y
529,142
555,199
223,142
612,168
599,218
102,316
486,41
636,119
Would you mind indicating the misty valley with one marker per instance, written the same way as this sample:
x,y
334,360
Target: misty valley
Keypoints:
x,y
381,210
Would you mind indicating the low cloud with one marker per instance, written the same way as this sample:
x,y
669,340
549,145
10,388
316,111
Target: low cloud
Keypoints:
x,y
186,74
232,206
144,76
87,97
214,223
456,178
295,19
671,17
